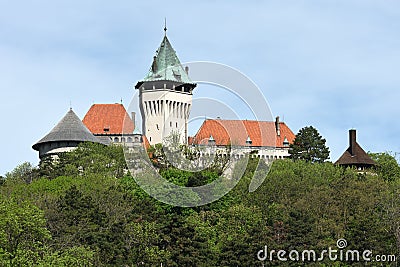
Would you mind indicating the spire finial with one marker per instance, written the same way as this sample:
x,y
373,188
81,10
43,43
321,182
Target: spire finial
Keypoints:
x,y
165,26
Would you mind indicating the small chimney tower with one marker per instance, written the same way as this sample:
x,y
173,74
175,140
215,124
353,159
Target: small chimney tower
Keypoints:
x,y
277,126
352,141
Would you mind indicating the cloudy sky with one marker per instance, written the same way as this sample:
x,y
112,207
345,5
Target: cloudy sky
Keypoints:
x,y
331,64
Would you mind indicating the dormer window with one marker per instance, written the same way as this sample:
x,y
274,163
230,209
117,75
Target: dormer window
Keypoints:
x,y
211,140
285,142
248,141
177,75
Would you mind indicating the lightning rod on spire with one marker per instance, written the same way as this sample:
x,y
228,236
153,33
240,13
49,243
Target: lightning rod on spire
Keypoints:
x,y
165,26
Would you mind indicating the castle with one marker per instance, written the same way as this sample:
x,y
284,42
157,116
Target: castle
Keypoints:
x,y
165,100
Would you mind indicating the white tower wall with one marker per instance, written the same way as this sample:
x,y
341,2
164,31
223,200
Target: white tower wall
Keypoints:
x,y
164,112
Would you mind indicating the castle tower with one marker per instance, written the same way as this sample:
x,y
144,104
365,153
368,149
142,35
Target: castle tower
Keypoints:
x,y
165,96
65,136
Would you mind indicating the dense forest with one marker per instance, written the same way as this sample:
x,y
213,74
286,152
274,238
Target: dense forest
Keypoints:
x,y
86,210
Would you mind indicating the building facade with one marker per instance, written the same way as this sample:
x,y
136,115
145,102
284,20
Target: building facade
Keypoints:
x,y
266,140
165,100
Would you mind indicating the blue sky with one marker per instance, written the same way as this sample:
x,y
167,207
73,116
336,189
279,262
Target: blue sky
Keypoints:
x,y
331,64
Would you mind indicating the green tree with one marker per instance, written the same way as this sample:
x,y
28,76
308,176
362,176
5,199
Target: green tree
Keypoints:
x,y
309,145
242,231
22,233
78,256
77,220
97,220
24,172
47,167
387,166
91,158
142,240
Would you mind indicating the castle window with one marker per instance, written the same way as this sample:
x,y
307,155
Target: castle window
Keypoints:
x,y
123,139
158,128
177,75
211,140
248,141
116,140
285,142
176,125
129,139
170,124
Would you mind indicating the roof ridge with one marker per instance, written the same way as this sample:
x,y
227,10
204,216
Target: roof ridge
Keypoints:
x,y
243,120
104,104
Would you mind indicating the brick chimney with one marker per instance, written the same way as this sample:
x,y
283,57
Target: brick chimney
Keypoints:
x,y
277,126
352,141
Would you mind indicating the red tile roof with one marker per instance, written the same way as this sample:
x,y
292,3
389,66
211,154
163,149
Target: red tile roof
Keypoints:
x,y
236,132
108,119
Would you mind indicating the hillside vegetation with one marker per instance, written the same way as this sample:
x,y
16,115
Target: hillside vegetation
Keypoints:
x,y
86,210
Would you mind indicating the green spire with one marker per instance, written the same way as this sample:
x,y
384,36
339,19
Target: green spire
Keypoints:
x,y
166,65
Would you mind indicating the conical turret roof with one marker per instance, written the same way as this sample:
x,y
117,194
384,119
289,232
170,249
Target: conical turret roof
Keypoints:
x,y
166,65
70,128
